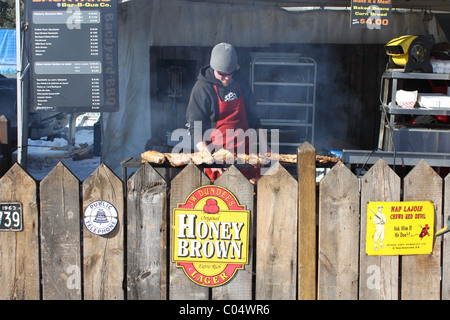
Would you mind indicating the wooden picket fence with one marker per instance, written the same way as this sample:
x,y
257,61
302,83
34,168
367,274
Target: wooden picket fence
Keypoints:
x,y
306,244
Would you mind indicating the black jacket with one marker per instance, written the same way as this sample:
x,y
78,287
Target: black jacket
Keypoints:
x,y
204,106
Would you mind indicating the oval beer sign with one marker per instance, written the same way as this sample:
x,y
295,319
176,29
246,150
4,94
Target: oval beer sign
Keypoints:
x,y
210,236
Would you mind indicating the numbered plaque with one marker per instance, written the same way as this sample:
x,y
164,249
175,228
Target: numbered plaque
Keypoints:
x,y
11,218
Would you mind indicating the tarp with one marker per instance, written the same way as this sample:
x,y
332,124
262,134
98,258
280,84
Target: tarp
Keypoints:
x,y
185,23
144,23
8,63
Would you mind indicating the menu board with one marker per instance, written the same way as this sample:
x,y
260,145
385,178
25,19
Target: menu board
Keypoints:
x,y
371,14
73,56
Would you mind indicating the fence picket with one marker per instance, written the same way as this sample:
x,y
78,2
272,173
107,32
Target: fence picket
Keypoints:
x,y
378,274
19,251
338,235
146,235
180,287
276,232
240,288
60,230
306,168
103,255
421,273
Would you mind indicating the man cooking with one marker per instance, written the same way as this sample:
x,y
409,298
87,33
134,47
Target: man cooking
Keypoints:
x,y
220,101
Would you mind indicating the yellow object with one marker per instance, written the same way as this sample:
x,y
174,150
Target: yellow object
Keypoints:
x,y
398,49
400,228
445,229
211,236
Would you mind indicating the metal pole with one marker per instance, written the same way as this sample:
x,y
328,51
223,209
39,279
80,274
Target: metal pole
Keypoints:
x,y
19,84
22,136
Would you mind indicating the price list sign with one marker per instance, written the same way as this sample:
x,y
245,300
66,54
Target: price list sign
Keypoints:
x,y
73,56
371,14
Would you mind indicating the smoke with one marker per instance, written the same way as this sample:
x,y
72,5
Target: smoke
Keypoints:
x,y
308,103
343,117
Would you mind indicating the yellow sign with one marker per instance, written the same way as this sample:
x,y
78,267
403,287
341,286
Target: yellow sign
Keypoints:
x,y
400,228
210,236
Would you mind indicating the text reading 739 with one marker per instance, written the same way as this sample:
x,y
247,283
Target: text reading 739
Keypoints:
x,y
11,217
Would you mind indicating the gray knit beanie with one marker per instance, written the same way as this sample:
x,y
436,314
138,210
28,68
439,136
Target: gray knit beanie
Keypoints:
x,y
224,58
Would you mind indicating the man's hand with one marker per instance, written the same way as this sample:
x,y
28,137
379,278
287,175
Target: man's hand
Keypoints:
x,y
203,146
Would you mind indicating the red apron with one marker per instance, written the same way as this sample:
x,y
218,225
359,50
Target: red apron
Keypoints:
x,y
232,116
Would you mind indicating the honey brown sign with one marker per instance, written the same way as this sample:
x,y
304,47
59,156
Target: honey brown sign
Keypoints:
x,y
210,236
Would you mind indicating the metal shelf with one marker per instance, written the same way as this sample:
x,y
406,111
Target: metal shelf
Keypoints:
x,y
297,109
390,110
395,158
284,122
397,110
284,63
399,74
282,84
285,104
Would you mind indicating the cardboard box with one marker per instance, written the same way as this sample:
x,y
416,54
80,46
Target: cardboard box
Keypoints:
x,y
434,100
